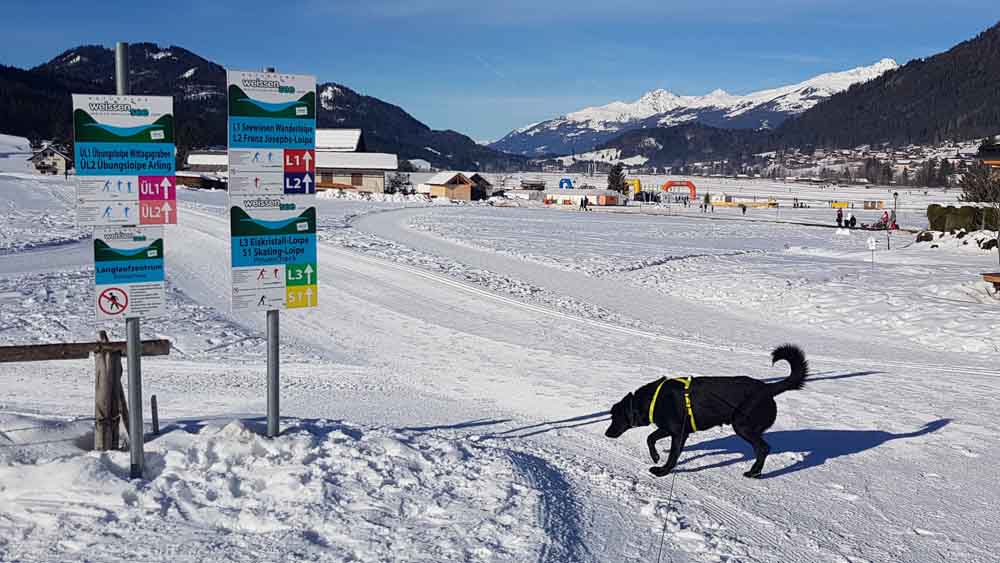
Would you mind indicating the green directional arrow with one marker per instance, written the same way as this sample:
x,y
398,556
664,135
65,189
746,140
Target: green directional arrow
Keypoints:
x,y
300,274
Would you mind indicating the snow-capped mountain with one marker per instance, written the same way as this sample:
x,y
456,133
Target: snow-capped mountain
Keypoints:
x,y
582,130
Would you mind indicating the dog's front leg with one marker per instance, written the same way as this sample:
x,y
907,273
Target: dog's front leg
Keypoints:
x,y
651,441
676,445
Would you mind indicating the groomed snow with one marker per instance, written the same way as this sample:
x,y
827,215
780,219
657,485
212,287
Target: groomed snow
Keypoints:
x,y
447,400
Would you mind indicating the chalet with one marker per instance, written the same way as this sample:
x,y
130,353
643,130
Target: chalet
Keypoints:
x,y
361,171
51,160
344,163
340,140
448,185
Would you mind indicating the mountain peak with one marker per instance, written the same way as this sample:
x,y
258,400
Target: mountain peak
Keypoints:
x,y
586,128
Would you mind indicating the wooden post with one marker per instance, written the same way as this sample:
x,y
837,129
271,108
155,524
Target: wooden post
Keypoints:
x,y
156,415
121,405
105,403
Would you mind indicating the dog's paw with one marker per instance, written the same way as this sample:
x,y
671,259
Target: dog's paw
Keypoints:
x,y
659,470
752,475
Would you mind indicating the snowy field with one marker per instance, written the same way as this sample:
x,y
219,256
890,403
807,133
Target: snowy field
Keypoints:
x,y
447,400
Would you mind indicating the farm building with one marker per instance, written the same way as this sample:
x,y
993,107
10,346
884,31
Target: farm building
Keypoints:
x,y
205,169
481,187
207,161
449,185
343,163
361,171
51,160
573,197
340,140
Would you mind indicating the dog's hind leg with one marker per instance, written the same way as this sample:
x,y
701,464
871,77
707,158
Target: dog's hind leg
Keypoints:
x,y
754,418
676,445
760,449
651,441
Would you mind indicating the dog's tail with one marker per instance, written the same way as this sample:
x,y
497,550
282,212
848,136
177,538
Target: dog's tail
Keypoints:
x,y
796,358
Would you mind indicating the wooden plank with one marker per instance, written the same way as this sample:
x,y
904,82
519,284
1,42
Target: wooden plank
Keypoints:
x,y
76,351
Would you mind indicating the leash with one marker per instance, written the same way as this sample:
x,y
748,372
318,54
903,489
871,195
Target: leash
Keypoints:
x,y
670,496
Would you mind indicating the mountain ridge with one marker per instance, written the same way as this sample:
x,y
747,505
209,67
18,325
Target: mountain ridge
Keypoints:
x,y
35,103
585,129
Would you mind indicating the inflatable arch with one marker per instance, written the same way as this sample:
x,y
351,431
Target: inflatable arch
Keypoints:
x,y
686,183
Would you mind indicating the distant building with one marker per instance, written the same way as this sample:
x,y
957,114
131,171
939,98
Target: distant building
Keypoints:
x,y
207,169
448,185
481,187
989,154
51,160
572,197
420,165
207,161
361,171
340,140
344,163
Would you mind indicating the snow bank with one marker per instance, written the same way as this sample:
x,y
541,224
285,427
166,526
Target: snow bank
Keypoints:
x,y
975,242
323,489
14,154
366,196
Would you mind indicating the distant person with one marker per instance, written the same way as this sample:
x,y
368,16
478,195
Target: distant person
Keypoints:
x,y
840,218
892,220
743,208
583,203
586,203
852,221
885,219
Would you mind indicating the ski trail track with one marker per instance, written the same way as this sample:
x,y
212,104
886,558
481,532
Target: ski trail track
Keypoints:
x,y
603,483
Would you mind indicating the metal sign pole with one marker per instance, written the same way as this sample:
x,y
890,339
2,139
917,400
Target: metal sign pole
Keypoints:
x,y
273,367
136,432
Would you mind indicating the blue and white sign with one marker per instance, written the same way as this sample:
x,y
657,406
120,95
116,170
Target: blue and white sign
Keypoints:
x,y
125,160
128,272
565,184
272,184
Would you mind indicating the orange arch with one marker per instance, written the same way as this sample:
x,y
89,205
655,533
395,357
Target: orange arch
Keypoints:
x,y
690,186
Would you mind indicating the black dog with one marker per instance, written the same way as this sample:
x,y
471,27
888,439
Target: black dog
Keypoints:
x,y
684,405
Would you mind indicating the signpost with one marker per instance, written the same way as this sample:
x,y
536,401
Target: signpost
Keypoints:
x,y
128,272
272,184
125,166
125,160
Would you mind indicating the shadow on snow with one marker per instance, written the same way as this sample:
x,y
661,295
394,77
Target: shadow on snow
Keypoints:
x,y
816,446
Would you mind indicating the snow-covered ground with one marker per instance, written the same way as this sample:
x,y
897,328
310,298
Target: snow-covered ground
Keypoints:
x,y
447,400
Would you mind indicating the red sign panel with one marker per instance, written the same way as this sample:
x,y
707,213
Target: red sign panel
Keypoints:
x,y
300,160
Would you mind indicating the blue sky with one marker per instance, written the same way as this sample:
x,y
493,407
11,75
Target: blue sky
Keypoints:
x,y
484,68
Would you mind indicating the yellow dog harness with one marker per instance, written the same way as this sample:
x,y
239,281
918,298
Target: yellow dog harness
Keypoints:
x,y
686,381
